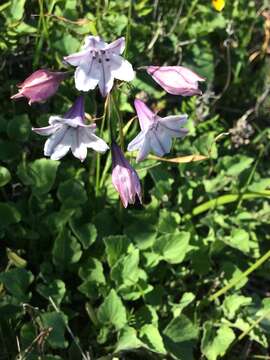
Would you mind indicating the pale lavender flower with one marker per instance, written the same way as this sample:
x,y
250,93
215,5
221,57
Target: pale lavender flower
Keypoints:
x,y
99,63
156,132
176,80
124,178
71,132
39,86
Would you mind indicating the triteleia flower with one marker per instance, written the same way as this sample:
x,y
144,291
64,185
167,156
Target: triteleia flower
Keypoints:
x,y
99,63
124,177
71,132
39,86
156,132
176,80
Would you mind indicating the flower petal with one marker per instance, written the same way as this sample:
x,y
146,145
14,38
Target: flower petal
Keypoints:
x,y
121,182
165,139
45,131
58,144
144,150
78,148
121,68
93,141
106,79
136,143
145,115
159,144
173,125
87,75
78,58
94,43
117,46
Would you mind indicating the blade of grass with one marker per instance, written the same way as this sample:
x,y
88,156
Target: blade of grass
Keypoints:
x,y
245,274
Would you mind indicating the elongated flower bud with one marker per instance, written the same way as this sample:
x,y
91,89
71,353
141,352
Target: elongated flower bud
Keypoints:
x,y
39,86
176,80
124,178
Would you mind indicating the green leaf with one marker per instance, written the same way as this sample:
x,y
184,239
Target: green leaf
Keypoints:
x,y
128,339
92,274
150,335
40,175
126,269
239,239
19,128
66,250
68,44
57,322
260,186
72,193
145,234
179,337
216,343
186,299
5,176
92,269
235,164
86,233
112,311
16,10
17,281
172,247
233,303
8,215
56,289
146,315
168,221
115,246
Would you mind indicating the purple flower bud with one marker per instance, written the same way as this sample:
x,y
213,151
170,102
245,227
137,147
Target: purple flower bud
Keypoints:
x,y
176,80
39,86
124,178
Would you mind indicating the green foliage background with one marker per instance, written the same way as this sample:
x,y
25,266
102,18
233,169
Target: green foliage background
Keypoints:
x,y
81,274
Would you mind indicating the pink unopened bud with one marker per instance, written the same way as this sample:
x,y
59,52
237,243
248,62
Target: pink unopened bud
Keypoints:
x,y
39,86
176,80
124,178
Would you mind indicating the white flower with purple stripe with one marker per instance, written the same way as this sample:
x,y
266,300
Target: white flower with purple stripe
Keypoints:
x,y
71,132
99,63
156,132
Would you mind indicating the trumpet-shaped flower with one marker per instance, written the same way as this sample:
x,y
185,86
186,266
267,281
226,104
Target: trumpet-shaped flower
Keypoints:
x,y
71,132
39,86
176,80
99,63
124,177
156,132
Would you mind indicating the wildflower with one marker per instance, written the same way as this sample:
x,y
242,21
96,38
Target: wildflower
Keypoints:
x,y
156,132
218,4
39,86
98,63
124,177
176,80
71,132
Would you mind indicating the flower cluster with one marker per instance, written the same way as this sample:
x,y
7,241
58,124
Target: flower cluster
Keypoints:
x,y
98,64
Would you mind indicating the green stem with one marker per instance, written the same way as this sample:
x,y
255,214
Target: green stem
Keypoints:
x,y
251,175
247,331
43,32
225,199
98,22
234,282
97,186
120,120
128,27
